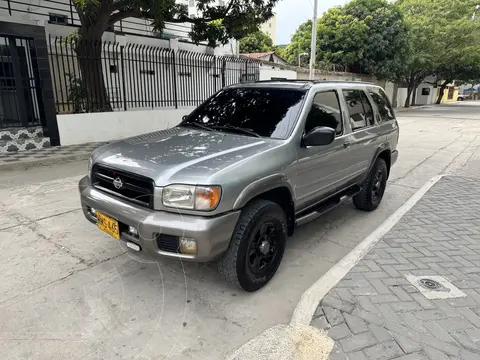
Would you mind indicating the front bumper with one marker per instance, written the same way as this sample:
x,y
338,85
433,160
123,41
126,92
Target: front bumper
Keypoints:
x,y
212,234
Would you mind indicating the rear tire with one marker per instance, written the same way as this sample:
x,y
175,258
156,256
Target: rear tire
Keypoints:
x,y
373,187
257,246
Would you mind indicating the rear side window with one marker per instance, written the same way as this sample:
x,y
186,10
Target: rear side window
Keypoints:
x,y
367,106
382,103
359,108
325,112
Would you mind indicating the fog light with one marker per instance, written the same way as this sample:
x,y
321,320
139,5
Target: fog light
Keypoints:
x,y
188,246
132,231
134,246
93,211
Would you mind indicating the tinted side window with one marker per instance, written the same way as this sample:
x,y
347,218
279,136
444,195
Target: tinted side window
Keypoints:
x,y
325,112
358,119
383,104
368,109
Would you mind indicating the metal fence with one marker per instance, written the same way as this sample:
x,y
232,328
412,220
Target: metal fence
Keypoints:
x,y
107,76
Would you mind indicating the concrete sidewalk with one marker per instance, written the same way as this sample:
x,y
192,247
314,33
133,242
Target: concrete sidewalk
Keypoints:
x,y
48,156
416,294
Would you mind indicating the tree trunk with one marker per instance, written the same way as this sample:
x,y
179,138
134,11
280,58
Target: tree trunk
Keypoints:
x,y
89,55
395,95
409,94
442,91
414,95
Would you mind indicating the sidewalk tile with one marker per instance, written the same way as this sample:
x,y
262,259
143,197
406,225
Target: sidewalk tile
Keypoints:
x,y
339,332
385,351
369,317
355,324
359,355
358,342
321,323
415,356
439,236
407,345
435,354
334,316
439,332
380,333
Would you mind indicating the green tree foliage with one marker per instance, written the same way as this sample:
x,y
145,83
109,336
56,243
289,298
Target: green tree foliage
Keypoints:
x,y
299,44
234,19
256,42
443,41
386,42
341,39
280,50
366,36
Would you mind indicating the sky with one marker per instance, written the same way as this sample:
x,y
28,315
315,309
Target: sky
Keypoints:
x,y
292,13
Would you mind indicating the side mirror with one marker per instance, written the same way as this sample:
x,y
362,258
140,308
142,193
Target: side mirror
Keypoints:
x,y
319,136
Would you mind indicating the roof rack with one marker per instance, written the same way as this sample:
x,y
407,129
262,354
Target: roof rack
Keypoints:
x,y
315,81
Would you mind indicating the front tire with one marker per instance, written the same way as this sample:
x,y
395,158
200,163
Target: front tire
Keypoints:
x,y
257,246
373,187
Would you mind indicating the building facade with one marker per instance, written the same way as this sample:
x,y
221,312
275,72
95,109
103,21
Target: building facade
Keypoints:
x,y
60,19
270,28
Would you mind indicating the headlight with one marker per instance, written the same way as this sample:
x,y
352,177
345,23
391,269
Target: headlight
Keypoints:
x,y
90,164
192,197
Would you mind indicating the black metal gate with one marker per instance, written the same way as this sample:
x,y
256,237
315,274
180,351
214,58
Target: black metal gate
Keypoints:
x,y
19,79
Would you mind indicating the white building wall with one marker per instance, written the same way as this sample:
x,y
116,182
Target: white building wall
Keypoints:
x,y
426,99
269,73
402,96
389,89
99,127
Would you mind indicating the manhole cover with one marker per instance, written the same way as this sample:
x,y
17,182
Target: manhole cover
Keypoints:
x,y
435,287
430,284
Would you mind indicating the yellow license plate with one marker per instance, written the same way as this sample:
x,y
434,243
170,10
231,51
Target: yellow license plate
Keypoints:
x,y
108,225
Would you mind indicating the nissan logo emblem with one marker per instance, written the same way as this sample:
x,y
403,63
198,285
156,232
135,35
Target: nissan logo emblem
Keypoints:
x,y
118,183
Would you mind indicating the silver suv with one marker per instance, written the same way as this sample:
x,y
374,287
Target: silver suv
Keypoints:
x,y
238,174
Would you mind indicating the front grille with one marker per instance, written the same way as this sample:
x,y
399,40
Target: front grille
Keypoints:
x,y
134,188
168,243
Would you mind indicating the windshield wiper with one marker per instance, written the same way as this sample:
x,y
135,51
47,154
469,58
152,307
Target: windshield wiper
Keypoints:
x,y
201,126
236,128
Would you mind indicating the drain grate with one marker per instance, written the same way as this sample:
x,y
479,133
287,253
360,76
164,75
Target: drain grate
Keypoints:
x,y
432,285
435,287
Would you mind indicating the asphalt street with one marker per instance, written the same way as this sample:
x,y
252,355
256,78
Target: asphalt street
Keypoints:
x,y
67,291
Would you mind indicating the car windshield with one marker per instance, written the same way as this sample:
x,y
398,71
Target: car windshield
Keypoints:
x,y
250,111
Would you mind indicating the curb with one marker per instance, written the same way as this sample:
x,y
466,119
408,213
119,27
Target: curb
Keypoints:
x,y
311,298
26,164
404,109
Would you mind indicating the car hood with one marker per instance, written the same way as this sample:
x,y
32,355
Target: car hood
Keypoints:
x,y
180,155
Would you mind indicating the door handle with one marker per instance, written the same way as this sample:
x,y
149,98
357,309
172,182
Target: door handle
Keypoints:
x,y
347,144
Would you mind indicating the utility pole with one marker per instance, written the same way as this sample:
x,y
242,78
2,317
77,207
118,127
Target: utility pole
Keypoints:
x,y
477,8
313,52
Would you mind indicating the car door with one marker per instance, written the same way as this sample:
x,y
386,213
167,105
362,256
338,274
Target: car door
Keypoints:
x,y
386,120
363,138
321,169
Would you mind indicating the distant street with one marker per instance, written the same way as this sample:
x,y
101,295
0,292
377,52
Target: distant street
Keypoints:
x,y
68,291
